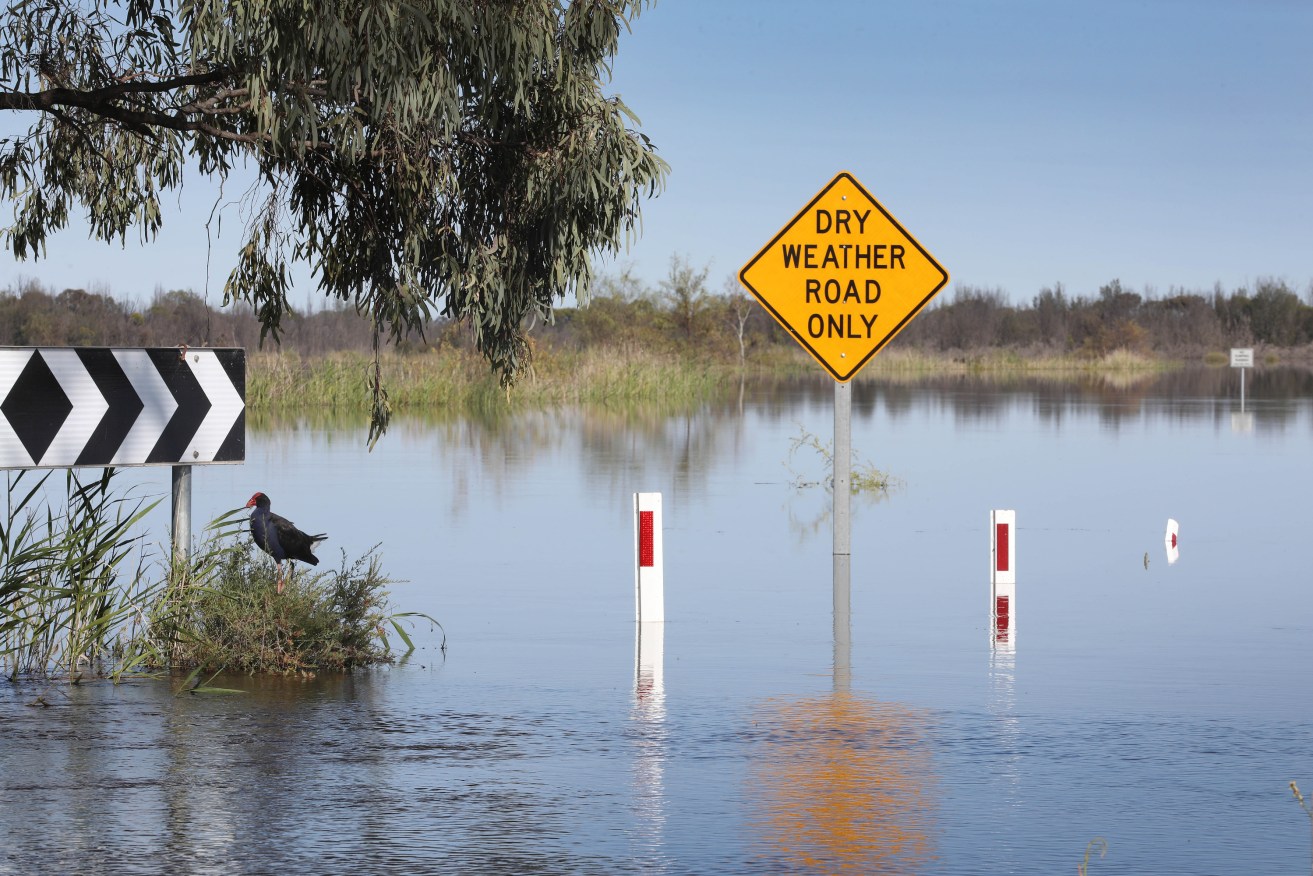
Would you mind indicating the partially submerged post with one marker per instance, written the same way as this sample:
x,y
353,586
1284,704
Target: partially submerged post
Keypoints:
x,y
843,277
1003,579
649,568
1242,358
842,586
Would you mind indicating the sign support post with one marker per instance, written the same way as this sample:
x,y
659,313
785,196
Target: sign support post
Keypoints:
x,y
181,516
843,459
842,498
1242,358
1003,578
843,277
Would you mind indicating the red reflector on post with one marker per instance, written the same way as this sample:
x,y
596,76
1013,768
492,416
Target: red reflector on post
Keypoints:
x,y
1000,547
646,554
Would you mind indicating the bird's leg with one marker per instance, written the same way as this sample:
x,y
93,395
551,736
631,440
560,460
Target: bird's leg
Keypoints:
x,y
281,582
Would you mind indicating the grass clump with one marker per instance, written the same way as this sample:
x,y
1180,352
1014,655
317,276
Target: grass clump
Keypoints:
x,y
223,612
80,597
235,620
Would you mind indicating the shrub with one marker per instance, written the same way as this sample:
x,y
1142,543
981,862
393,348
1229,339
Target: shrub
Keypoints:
x,y
226,614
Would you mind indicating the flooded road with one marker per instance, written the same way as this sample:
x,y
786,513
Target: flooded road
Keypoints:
x,y
1163,707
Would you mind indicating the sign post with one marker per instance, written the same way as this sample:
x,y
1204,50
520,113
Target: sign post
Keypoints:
x,y
1003,578
1242,358
843,277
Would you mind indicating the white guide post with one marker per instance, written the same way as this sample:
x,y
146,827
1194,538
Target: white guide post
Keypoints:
x,y
649,573
1003,578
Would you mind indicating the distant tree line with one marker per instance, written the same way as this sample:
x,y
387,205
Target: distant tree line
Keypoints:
x,y
33,316
1116,318
683,311
684,315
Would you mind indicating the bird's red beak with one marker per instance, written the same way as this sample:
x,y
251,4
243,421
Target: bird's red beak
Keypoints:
x,y
251,504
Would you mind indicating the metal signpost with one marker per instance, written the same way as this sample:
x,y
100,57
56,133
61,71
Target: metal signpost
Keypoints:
x,y
843,277
1242,358
68,407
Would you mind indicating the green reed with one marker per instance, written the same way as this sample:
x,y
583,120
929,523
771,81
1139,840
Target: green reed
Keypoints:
x,y
1303,804
73,601
863,477
66,583
1098,844
455,379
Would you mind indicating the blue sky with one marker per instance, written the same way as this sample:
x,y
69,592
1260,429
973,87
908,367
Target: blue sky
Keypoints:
x,y
1162,142
1023,143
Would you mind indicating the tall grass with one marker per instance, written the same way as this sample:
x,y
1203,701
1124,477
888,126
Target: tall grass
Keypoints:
x,y
73,601
459,380
67,587
224,613
1005,361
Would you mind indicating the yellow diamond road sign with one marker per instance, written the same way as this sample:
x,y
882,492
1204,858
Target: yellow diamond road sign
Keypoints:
x,y
843,277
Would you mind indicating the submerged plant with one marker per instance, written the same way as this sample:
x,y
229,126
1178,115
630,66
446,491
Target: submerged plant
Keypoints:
x,y
864,477
1303,804
63,590
1098,844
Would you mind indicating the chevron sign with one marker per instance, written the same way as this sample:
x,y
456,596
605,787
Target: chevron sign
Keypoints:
x,y
95,406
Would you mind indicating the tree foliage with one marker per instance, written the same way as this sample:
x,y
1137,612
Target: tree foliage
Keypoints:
x,y
423,157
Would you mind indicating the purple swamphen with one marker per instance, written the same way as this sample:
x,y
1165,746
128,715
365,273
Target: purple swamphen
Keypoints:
x,y
278,538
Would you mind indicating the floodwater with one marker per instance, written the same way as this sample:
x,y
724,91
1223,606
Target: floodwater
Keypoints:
x,y
1163,707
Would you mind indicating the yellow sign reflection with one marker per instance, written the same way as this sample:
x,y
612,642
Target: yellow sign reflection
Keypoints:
x,y
844,785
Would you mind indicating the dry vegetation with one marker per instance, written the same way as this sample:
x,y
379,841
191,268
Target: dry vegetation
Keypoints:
x,y
676,341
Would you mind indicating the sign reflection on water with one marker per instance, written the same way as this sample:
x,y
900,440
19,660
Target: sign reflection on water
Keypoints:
x,y
844,784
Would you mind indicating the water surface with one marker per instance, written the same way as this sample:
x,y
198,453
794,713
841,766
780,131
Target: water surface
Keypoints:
x,y
1163,708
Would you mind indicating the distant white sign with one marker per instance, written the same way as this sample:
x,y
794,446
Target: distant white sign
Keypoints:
x,y
1242,357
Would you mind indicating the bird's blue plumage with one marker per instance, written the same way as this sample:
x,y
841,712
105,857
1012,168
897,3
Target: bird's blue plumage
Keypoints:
x,y
276,535
265,534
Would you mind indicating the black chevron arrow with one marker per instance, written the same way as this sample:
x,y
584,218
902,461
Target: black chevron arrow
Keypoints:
x,y
234,446
36,407
192,407
124,406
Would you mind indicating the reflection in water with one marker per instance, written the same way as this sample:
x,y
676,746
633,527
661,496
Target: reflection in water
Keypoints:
x,y
1186,394
649,716
493,451
1006,734
843,784
327,776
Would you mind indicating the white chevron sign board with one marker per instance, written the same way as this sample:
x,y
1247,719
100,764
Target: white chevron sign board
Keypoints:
x,y
63,407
